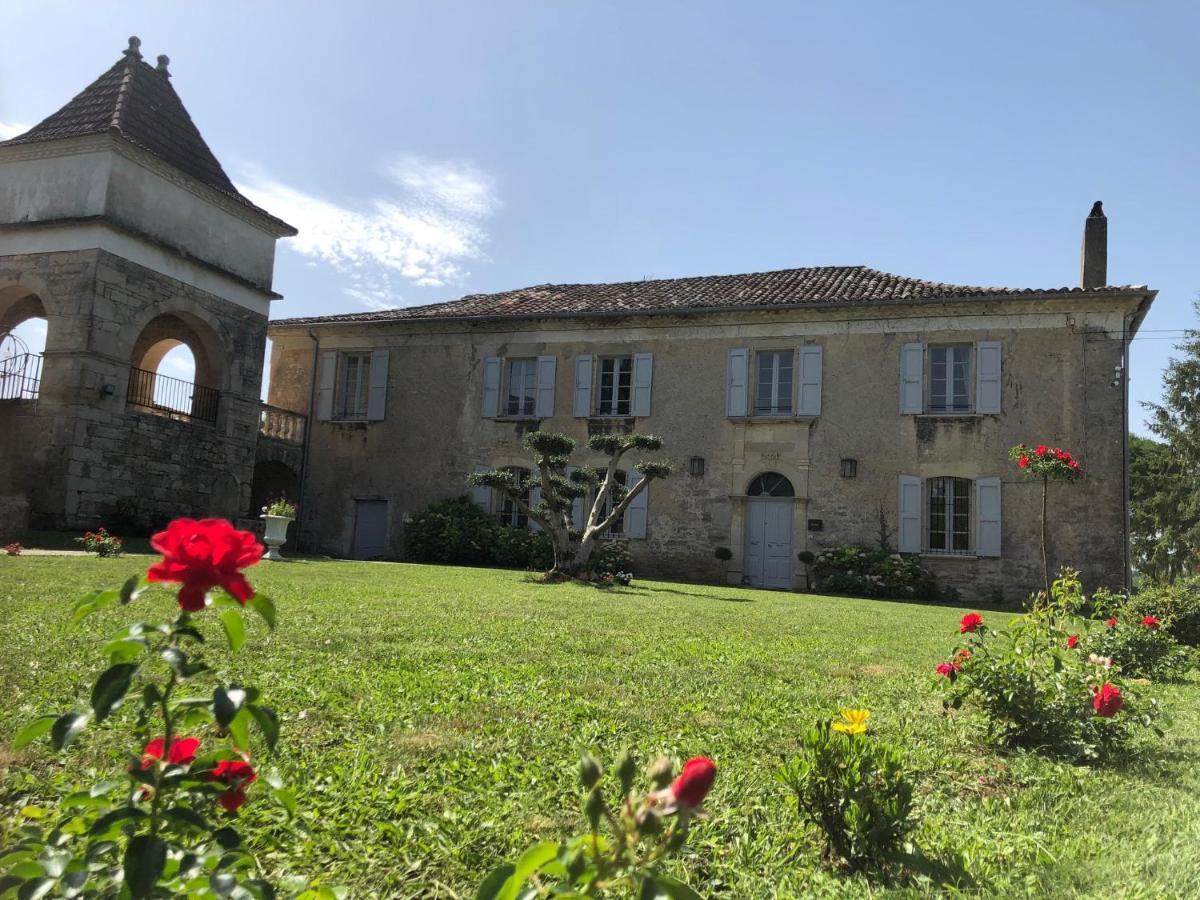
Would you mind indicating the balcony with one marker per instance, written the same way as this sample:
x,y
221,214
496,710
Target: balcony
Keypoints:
x,y
281,424
172,397
21,376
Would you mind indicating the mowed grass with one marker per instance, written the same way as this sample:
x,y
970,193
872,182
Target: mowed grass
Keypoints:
x,y
433,719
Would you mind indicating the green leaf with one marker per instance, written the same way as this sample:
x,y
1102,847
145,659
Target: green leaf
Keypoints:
x,y
222,883
676,890
268,723
33,731
144,860
186,817
493,884
85,606
131,588
286,798
66,728
105,823
227,703
239,730
235,628
527,864
110,689
125,649
176,659
35,889
265,607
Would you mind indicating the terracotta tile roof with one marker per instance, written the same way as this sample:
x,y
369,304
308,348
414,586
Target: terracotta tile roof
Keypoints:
x,y
138,102
783,288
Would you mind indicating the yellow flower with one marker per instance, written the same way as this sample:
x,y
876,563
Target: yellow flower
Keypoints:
x,y
856,721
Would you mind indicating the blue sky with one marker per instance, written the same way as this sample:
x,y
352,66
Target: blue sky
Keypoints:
x,y
429,150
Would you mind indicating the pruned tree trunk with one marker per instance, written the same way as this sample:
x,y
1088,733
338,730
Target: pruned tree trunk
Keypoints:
x,y
1045,562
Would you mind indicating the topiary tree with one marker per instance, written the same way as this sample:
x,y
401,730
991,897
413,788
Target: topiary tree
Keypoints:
x,y
561,486
1048,464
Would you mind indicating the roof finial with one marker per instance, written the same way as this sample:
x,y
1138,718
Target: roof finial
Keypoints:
x,y
163,62
134,43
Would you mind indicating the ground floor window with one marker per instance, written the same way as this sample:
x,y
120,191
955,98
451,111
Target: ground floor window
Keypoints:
x,y
508,510
613,500
948,506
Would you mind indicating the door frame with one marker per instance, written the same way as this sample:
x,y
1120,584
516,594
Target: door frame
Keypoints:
x,y
748,506
354,524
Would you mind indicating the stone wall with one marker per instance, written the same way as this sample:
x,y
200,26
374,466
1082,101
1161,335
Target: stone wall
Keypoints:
x,y
1059,357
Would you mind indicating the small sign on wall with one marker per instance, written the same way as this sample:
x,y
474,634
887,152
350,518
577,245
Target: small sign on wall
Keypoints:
x,y
816,524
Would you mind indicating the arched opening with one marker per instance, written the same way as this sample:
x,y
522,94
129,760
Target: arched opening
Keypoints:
x,y
770,484
767,561
23,331
273,481
174,368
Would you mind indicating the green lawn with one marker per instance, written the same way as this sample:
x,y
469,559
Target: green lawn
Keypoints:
x,y
433,719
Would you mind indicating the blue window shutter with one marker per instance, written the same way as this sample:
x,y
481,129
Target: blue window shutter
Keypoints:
x,y
987,377
377,396
987,517
808,393
912,379
491,387
635,513
643,370
546,366
909,518
582,406
737,376
326,376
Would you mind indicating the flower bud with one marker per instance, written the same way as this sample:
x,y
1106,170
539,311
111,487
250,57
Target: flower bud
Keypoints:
x,y
626,770
661,771
589,771
594,808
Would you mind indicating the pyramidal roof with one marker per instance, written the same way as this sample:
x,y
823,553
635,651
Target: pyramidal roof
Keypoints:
x,y
136,100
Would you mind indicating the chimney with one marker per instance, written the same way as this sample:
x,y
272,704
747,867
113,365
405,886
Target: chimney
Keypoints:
x,y
1093,258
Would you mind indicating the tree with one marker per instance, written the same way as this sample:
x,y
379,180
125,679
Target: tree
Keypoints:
x,y
1047,464
1164,525
561,487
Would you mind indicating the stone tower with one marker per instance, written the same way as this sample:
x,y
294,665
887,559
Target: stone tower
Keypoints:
x,y
121,229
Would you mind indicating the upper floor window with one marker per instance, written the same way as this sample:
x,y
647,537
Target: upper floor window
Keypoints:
x,y
773,392
353,387
616,386
508,511
522,387
948,506
949,378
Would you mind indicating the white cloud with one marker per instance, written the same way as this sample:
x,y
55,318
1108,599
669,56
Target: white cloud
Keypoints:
x,y
423,229
12,129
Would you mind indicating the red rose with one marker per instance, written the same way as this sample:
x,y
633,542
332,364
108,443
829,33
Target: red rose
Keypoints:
x,y
182,752
970,623
694,782
232,800
1073,464
1111,623
203,555
948,670
1072,641
962,655
1023,461
234,772
1107,700
1151,621
1041,450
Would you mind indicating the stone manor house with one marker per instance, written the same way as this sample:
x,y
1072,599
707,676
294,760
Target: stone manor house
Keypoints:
x,y
805,409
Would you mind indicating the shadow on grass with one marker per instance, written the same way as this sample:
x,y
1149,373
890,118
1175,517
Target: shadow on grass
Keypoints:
x,y
631,590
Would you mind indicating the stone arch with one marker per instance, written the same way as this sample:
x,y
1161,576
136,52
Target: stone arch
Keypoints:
x,y
18,304
770,484
167,331
21,356
272,480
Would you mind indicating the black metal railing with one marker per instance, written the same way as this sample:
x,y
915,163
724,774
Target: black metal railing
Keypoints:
x,y
281,424
171,396
21,376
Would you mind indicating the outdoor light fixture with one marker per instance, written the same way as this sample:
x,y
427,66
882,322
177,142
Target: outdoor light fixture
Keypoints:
x,y
696,465
849,468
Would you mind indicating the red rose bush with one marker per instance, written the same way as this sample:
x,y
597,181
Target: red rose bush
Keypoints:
x,y
629,835
167,827
1042,681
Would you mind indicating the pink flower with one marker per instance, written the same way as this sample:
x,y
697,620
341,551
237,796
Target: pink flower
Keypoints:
x,y
949,670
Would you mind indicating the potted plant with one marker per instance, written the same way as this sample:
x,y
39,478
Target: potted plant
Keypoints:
x,y
278,515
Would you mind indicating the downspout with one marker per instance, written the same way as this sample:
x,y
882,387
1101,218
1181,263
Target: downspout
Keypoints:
x,y
1127,513
308,430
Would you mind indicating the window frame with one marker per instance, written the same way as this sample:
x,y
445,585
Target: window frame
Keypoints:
x,y
340,412
927,387
598,390
616,531
505,509
530,397
957,500
774,411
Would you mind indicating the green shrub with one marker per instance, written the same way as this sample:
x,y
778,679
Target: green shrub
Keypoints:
x,y
1142,647
1040,685
1176,605
612,557
516,548
872,573
854,790
455,532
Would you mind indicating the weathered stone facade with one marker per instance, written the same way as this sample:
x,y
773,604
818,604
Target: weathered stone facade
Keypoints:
x,y
1061,353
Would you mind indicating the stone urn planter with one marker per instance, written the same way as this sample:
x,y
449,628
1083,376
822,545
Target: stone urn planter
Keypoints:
x,y
275,534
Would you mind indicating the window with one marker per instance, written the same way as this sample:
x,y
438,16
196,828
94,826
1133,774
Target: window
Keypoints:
x,y
773,392
354,385
616,386
949,378
522,387
614,498
770,484
509,512
949,515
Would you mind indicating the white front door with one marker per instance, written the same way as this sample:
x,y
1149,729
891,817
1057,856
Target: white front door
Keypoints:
x,y
768,556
